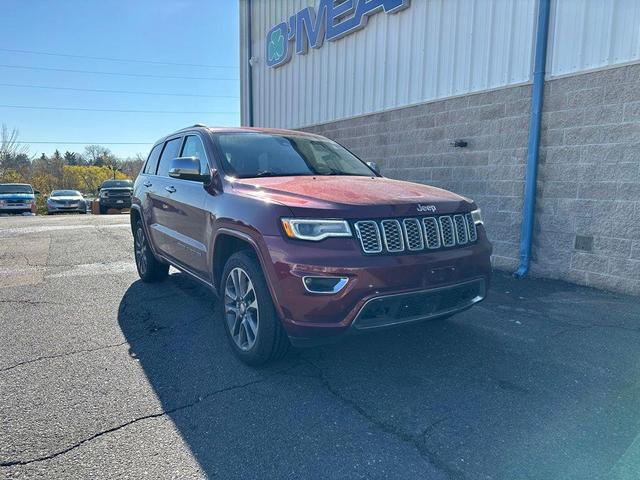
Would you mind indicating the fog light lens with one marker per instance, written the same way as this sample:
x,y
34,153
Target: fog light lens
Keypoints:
x,y
324,284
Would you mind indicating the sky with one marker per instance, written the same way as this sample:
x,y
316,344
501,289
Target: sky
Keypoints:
x,y
196,32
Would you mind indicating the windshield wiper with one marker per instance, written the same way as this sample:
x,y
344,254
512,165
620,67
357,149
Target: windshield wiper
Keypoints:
x,y
265,173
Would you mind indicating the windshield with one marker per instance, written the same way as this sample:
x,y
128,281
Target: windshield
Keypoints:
x,y
66,193
247,155
16,189
117,183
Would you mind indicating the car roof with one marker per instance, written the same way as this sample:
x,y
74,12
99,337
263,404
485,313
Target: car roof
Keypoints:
x,y
270,131
21,184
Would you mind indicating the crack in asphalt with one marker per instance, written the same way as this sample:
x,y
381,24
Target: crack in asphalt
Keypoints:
x,y
60,355
200,399
416,441
31,302
147,316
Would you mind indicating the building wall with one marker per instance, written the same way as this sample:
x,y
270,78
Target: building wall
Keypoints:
x,y
589,177
433,49
590,180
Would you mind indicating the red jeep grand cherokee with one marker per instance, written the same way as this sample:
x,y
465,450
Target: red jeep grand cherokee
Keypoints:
x,y
303,241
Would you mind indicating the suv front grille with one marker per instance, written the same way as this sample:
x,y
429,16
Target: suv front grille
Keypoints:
x,y
416,234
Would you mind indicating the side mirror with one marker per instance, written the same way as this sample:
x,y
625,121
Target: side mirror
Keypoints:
x,y
36,192
187,168
374,166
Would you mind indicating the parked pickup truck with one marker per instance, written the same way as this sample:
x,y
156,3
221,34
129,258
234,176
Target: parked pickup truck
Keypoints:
x,y
115,194
17,198
302,241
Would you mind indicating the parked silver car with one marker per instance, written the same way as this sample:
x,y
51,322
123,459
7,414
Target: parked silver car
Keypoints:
x,y
66,201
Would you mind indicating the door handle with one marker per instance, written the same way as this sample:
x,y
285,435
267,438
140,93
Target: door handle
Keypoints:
x,y
147,184
170,189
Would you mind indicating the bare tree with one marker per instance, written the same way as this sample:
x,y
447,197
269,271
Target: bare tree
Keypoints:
x,y
9,145
96,154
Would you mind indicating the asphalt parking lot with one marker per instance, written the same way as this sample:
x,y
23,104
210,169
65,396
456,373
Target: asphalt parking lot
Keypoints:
x,y
102,376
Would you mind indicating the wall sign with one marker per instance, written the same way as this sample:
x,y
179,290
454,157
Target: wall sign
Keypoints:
x,y
331,22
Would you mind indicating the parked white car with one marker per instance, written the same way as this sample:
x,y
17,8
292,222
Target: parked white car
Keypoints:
x,y
66,201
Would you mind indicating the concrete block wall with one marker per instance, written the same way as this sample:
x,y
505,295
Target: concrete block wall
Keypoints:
x,y
588,206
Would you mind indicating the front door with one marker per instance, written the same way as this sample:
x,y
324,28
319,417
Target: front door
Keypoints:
x,y
185,220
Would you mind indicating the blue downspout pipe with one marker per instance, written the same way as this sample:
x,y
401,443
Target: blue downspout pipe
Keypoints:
x,y
533,147
250,67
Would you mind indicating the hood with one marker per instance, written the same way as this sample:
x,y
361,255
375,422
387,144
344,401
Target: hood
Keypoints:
x,y
352,197
17,196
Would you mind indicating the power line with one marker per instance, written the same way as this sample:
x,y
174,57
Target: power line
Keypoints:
x,y
79,109
85,143
129,92
114,59
92,72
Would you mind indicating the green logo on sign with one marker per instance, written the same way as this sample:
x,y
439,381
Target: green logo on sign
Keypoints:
x,y
276,46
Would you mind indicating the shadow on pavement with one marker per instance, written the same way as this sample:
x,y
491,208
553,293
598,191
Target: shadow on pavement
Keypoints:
x,y
540,381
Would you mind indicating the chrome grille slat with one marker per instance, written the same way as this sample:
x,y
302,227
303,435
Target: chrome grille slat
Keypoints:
x,y
446,231
431,232
392,236
461,229
369,235
471,228
413,234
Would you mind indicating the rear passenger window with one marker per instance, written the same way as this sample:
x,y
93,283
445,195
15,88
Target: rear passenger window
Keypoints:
x,y
152,162
171,149
193,147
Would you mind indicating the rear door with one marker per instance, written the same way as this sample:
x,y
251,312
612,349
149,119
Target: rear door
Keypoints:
x,y
159,192
187,218
145,185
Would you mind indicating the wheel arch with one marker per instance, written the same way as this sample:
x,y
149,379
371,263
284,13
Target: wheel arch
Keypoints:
x,y
226,243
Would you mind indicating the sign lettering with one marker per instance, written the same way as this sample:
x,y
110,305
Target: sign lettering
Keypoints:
x,y
310,28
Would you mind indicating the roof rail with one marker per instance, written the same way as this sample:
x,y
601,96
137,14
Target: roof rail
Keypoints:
x,y
199,125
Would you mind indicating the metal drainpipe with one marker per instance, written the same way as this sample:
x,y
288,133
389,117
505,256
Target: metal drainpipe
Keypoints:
x,y
529,205
250,56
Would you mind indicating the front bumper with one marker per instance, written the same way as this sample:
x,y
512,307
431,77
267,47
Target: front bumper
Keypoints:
x,y
18,208
311,318
66,208
117,202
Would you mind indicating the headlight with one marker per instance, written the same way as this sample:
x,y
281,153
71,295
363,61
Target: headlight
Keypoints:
x,y
313,229
104,194
477,217
3,203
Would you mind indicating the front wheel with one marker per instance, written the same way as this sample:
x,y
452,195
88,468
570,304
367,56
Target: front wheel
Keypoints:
x,y
149,268
252,325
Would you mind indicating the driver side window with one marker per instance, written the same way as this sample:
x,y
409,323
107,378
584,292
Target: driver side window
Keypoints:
x,y
193,147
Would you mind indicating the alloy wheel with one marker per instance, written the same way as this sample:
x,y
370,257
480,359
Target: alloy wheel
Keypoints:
x,y
141,251
241,308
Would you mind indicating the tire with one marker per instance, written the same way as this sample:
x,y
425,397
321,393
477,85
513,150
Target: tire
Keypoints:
x,y
253,317
103,210
149,268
